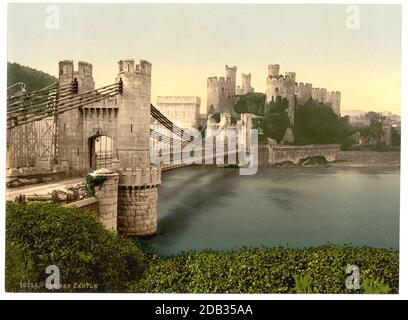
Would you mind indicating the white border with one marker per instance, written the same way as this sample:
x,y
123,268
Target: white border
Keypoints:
x,y
82,296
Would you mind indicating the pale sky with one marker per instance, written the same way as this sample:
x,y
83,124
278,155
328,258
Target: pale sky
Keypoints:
x,y
189,43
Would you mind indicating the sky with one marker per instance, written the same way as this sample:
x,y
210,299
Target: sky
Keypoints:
x,y
187,43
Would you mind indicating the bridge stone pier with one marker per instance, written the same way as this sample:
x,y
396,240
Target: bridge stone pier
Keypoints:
x,y
125,119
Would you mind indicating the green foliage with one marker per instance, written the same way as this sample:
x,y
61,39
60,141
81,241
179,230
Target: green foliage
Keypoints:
x,y
34,79
375,129
303,283
251,103
275,121
374,286
43,234
216,116
316,123
91,182
269,270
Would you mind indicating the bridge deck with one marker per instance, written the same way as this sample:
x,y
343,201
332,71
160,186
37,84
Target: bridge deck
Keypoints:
x,y
43,188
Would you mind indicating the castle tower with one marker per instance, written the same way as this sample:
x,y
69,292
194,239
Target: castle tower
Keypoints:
x,y
335,99
138,180
231,72
246,84
291,75
279,87
133,135
273,70
221,92
72,150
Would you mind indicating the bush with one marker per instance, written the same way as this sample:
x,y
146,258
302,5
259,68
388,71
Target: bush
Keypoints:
x,y
43,234
274,270
316,123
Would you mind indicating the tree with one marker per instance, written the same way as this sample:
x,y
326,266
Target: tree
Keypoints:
x,y
316,123
275,121
375,129
251,103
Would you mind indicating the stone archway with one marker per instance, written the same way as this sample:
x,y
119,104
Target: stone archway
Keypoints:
x,y
100,151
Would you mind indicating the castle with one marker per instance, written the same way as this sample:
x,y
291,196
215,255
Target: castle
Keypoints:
x,y
184,111
279,86
222,92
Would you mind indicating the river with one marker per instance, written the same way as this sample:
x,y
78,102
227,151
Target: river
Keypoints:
x,y
216,208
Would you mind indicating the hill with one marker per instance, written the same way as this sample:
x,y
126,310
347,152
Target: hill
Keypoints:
x,y
34,79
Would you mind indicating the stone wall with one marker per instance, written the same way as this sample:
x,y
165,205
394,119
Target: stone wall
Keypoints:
x,y
184,111
88,204
107,195
279,154
137,201
138,211
369,157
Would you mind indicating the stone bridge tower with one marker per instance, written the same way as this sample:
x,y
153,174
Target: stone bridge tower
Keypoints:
x,y
138,180
126,120
71,151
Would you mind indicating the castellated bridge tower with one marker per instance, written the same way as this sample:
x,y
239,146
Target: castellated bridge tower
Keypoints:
x,y
138,180
71,152
221,92
125,119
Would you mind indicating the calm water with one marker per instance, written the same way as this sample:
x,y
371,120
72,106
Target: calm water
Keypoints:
x,y
207,207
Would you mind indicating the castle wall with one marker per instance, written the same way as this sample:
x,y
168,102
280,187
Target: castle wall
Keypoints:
x,y
279,86
221,92
320,95
184,111
303,93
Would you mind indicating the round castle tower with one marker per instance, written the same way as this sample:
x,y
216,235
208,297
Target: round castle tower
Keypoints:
x,y
138,180
279,86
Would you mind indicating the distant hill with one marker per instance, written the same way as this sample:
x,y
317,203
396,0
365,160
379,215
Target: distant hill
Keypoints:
x,y
34,79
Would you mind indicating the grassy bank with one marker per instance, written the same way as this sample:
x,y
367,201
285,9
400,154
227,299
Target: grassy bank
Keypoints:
x,y
43,234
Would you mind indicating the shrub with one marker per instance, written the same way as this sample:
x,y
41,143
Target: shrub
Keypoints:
x,y
271,270
371,286
43,234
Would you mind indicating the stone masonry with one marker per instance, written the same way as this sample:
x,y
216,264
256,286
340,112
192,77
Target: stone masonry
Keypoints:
x,y
125,118
184,111
279,86
137,201
107,194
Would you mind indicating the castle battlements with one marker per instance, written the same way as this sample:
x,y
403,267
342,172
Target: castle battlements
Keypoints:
x,y
219,81
305,85
178,100
143,177
83,74
66,69
129,67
